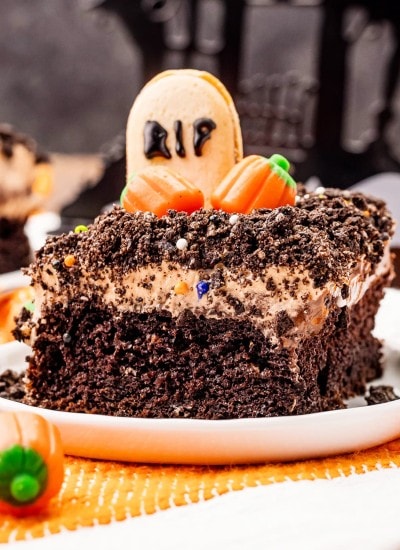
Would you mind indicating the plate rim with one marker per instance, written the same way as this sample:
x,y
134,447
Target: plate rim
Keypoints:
x,y
234,441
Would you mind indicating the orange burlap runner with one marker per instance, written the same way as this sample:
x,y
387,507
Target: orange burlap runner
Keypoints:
x,y
97,492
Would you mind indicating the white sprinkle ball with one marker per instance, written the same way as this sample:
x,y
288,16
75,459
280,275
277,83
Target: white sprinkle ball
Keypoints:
x,y
233,219
319,190
181,244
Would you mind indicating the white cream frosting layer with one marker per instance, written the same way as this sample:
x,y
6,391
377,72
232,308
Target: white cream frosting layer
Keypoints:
x,y
232,293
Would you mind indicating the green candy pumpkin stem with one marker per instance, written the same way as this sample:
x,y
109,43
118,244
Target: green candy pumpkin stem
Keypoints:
x,y
23,475
281,161
281,166
24,488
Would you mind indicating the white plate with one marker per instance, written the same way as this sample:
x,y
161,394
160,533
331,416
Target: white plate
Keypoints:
x,y
187,441
38,227
12,280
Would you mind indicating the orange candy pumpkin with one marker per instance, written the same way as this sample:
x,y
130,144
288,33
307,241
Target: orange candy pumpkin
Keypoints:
x,y
255,182
31,462
157,189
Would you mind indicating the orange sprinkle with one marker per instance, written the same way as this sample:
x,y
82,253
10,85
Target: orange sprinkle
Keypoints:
x,y
367,213
181,288
69,260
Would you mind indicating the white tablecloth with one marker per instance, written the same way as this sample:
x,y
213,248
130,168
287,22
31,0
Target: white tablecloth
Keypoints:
x,y
355,512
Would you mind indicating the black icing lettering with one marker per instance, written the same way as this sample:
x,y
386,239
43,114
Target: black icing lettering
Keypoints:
x,y
155,140
179,147
202,128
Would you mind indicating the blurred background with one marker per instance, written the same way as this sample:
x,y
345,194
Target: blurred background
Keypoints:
x,y
315,80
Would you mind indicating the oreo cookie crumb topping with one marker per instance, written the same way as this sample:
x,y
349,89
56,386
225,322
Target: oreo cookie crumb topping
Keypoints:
x,y
324,236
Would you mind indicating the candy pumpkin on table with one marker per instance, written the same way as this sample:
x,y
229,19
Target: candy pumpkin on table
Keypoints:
x,y
31,462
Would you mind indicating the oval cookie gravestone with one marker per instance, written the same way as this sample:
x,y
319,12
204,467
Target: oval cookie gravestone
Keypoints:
x,y
186,120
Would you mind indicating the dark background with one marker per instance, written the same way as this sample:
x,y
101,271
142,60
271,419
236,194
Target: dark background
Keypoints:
x,y
68,74
69,70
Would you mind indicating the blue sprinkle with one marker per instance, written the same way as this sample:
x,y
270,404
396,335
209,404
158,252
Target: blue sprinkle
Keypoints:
x,y
202,288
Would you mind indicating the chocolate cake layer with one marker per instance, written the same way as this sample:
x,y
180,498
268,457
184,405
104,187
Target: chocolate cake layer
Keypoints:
x,y
87,358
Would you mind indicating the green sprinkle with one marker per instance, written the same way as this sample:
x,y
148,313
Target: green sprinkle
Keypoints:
x,y
80,229
30,306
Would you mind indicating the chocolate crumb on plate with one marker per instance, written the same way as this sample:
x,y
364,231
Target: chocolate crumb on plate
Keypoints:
x,y
12,385
381,394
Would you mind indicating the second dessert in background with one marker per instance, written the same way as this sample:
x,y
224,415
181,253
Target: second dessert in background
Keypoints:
x,y
25,180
